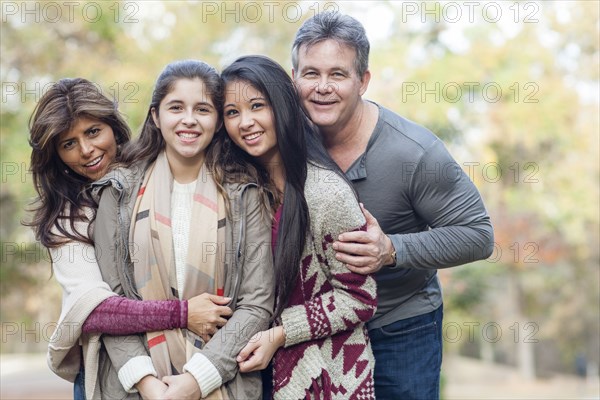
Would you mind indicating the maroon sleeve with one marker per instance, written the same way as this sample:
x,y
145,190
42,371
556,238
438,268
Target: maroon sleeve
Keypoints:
x,y
122,316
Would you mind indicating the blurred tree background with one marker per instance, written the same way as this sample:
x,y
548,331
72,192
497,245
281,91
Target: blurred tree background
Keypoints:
x,y
511,87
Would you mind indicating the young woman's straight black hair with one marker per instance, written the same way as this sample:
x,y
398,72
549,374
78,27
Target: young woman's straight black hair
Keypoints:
x,y
298,143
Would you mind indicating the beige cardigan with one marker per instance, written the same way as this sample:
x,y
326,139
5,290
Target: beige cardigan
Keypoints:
x,y
76,270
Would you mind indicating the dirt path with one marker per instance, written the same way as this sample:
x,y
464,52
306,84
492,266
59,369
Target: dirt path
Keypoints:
x,y
28,377
468,378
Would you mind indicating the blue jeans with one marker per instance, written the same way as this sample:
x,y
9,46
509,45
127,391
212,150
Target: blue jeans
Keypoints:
x,y
408,357
79,386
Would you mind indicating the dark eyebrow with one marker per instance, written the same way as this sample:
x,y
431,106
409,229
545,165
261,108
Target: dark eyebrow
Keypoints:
x,y
250,100
94,126
202,103
173,101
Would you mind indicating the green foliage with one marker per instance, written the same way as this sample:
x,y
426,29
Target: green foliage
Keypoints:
x,y
467,287
536,143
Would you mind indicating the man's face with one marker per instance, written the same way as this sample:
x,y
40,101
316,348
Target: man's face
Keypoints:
x,y
329,86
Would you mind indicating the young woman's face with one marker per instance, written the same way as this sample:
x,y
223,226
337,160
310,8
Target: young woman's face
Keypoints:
x,y
249,121
88,148
187,119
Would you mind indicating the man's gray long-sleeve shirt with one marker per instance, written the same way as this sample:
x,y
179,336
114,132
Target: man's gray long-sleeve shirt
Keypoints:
x,y
429,208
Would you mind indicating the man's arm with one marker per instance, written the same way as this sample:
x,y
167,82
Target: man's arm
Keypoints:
x,y
460,228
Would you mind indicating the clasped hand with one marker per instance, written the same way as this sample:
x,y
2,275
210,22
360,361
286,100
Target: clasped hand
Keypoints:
x,y
259,351
174,387
207,313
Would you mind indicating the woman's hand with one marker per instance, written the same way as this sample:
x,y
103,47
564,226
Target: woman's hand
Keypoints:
x,y
206,314
151,388
182,387
259,351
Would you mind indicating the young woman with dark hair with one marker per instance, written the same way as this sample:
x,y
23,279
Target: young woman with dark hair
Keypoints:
x,y
318,342
173,230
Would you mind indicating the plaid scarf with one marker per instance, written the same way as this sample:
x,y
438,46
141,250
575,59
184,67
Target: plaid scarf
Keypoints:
x,y
154,259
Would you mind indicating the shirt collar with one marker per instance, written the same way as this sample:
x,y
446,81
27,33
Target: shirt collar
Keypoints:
x,y
358,169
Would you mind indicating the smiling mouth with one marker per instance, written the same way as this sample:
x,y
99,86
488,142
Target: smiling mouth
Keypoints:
x,y
95,161
253,136
188,135
323,103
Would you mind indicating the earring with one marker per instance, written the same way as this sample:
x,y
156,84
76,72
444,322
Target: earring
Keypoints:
x,y
67,171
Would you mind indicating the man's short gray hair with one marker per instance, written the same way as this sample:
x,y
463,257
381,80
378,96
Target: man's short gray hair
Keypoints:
x,y
336,26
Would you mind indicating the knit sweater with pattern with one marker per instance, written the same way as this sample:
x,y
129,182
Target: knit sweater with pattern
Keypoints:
x,y
327,352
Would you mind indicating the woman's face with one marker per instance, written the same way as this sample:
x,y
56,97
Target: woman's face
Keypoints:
x,y
88,148
187,119
249,121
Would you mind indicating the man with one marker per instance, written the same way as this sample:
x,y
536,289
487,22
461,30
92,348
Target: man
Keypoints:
x,y
427,214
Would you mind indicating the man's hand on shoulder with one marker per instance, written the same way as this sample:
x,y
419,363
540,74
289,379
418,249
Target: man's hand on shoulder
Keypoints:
x,y
365,252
